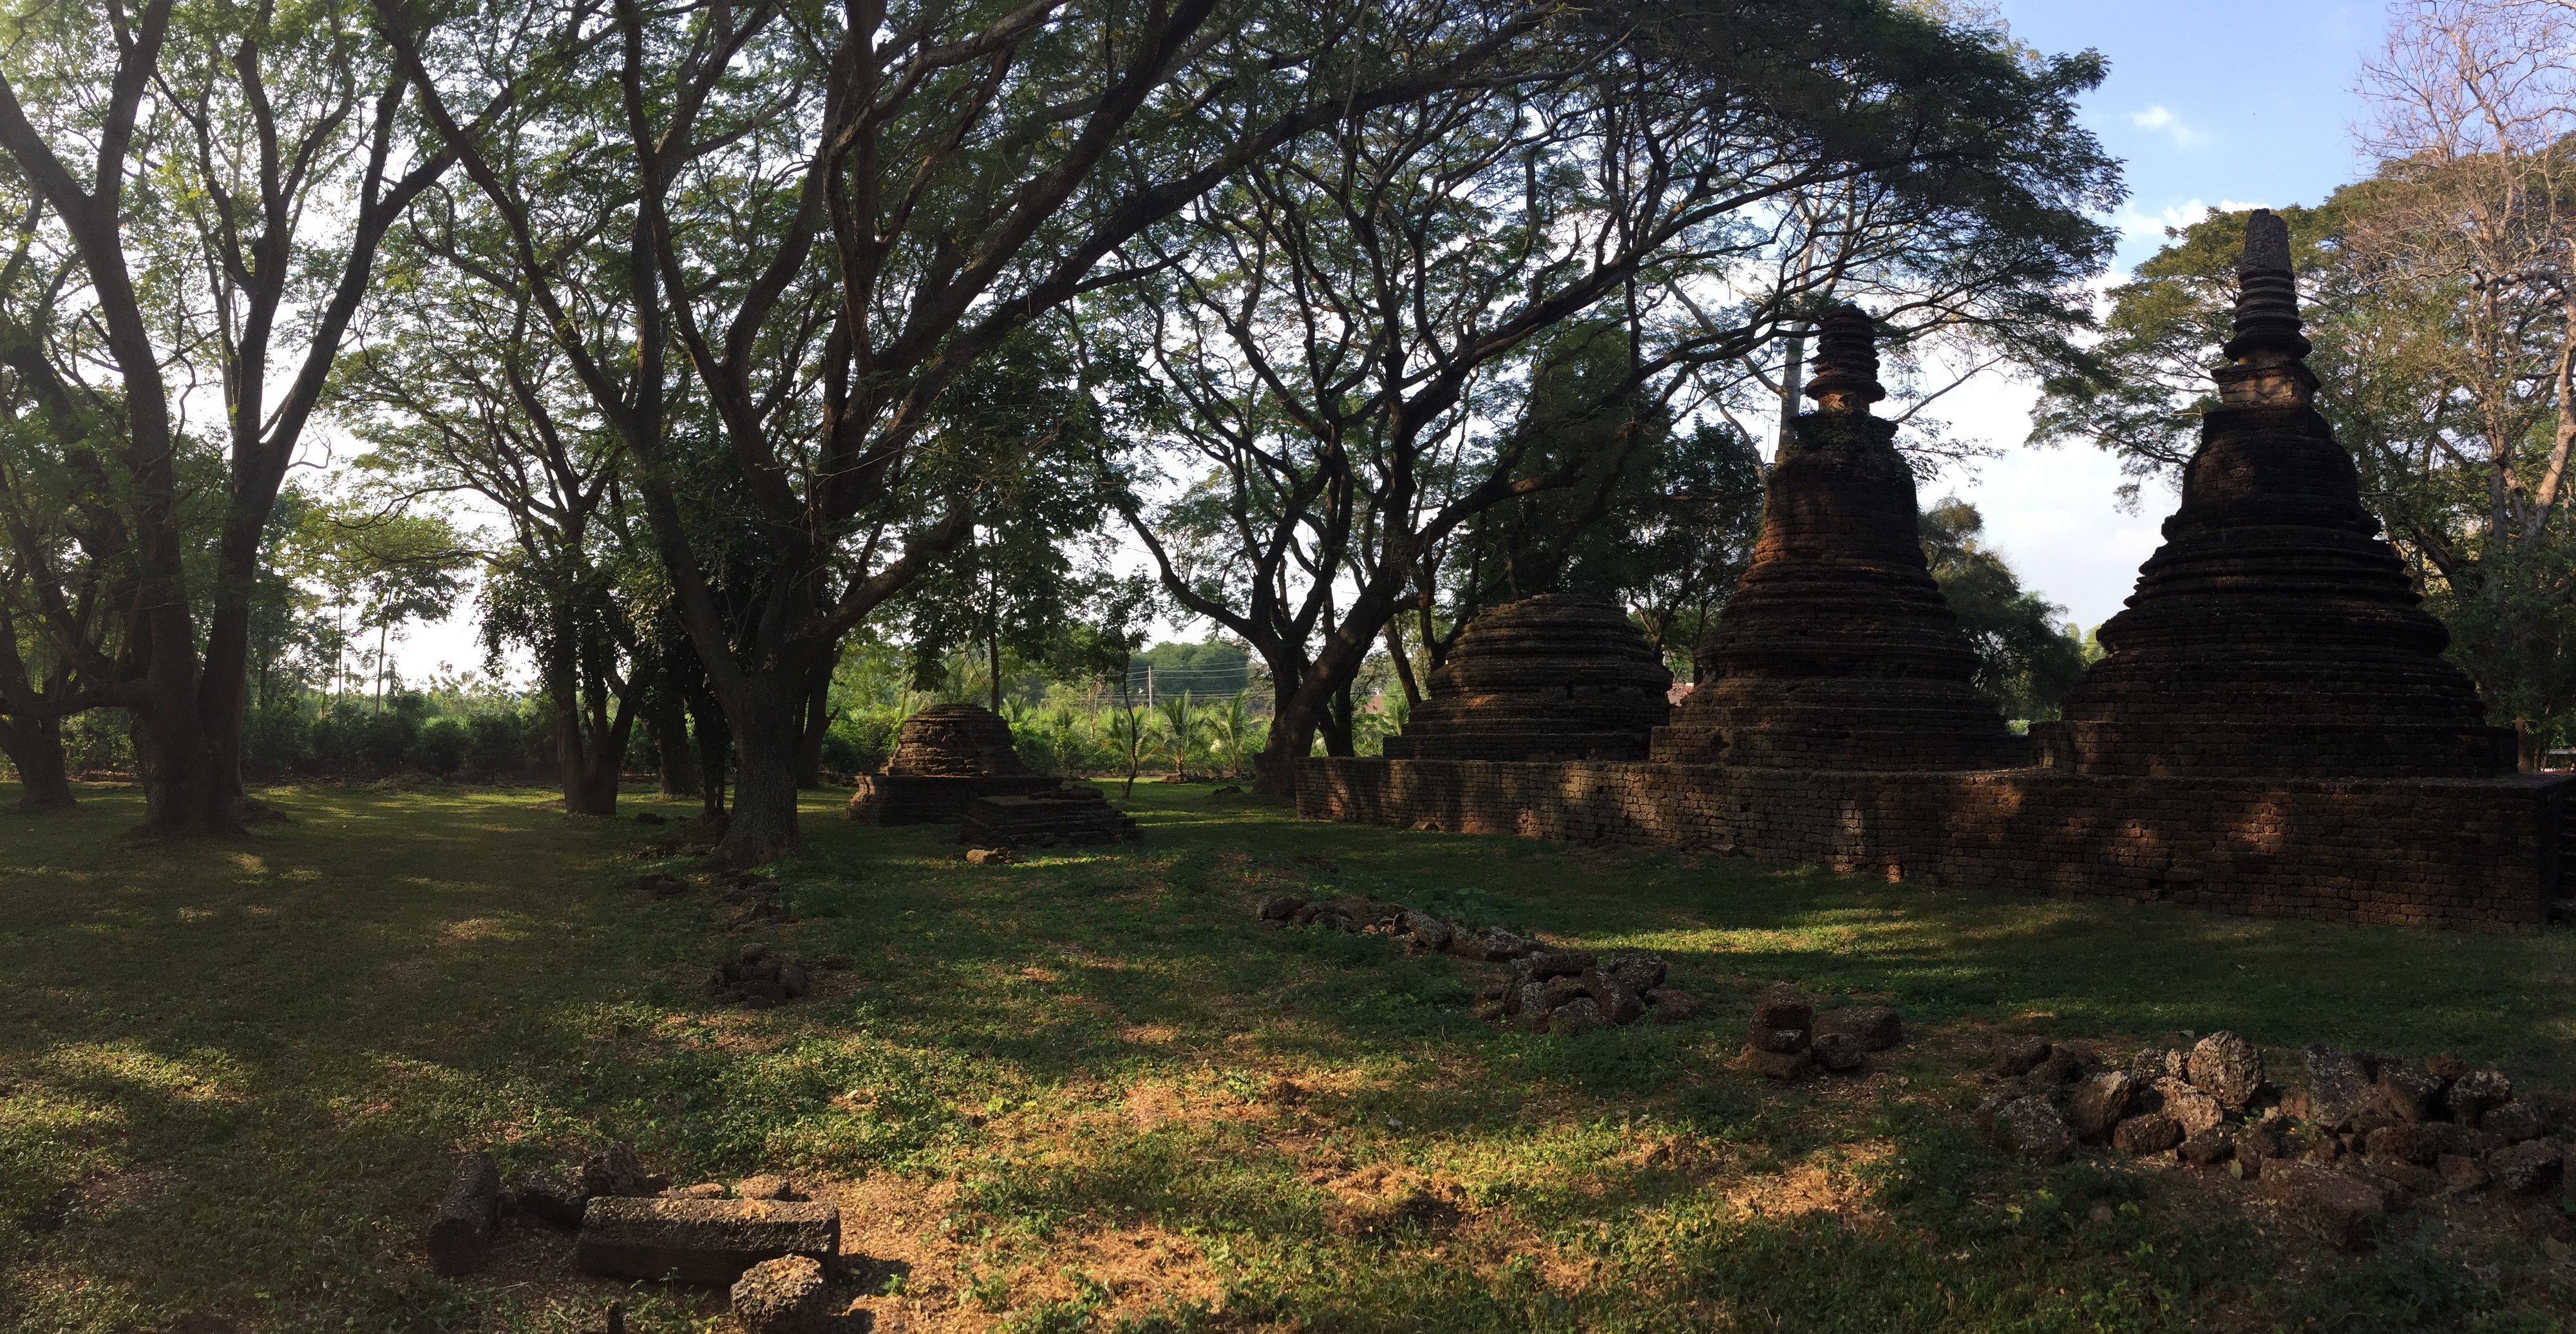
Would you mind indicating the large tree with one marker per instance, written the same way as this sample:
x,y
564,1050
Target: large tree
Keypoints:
x,y
947,174
223,172
1338,329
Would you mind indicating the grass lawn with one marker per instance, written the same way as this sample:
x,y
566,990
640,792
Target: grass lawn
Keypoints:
x,y
1089,1091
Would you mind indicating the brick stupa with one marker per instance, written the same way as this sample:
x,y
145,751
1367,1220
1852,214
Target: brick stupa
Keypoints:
x,y
2274,634
957,762
1553,677
1837,650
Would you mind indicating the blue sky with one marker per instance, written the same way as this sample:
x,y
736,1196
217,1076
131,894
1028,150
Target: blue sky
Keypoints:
x,y
2207,103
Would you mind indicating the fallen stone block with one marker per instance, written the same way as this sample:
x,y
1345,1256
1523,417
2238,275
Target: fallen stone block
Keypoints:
x,y
782,1296
2474,1092
1839,1052
2515,1122
2033,1129
2150,1132
1876,1027
2210,1147
2099,1104
2192,1109
2408,1093
2227,1068
1782,1007
460,1237
1672,1005
2339,1092
2527,1168
1774,1064
2019,1053
701,1241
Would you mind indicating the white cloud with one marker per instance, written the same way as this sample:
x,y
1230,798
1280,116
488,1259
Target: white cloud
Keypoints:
x,y
2157,118
2174,216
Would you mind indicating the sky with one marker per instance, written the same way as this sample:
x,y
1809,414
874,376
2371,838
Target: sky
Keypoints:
x,y
2228,104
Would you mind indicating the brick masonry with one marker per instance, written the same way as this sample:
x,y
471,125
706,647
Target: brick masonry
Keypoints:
x,y
2480,854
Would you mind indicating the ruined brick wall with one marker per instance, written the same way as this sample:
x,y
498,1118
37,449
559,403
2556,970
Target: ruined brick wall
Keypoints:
x,y
2479,854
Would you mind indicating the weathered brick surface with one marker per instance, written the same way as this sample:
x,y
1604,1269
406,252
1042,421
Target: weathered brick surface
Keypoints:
x,y
1553,677
2473,853
946,756
1837,649
2273,634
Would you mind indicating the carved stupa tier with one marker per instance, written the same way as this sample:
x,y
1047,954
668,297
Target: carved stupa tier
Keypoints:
x,y
1555,677
2274,633
1837,650
954,741
944,757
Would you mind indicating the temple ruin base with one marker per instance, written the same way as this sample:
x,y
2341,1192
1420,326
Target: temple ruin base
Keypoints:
x,y
2478,854
889,799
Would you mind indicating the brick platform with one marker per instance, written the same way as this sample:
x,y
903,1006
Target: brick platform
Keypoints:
x,y
2479,854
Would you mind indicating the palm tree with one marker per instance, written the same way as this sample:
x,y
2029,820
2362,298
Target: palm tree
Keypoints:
x,y
1233,728
1181,726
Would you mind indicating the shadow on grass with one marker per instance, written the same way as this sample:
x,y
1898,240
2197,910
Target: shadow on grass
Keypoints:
x,y
250,1058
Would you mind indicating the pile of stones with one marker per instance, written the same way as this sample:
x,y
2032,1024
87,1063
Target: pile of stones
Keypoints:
x,y
1543,990
2369,1132
753,897
1568,991
759,1236
1789,1039
1422,933
760,977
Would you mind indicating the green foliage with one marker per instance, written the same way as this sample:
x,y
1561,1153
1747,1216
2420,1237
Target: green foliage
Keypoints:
x,y
2027,658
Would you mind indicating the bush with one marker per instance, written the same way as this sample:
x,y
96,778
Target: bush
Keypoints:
x,y
860,742
442,746
98,740
503,745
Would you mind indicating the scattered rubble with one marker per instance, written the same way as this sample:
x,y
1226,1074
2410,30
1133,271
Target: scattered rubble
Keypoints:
x,y
760,977
1788,1039
753,896
1542,990
2368,1133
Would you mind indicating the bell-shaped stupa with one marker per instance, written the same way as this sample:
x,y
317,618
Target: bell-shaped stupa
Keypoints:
x,y
2274,634
1837,651
1553,677
954,741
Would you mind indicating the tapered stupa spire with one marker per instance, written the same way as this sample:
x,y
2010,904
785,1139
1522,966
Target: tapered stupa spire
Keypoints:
x,y
2273,634
1837,650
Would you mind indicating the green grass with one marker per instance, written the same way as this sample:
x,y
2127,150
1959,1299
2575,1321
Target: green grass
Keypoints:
x,y
230,1072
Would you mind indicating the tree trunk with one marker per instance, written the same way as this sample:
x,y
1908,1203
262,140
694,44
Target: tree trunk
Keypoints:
x,y
588,766
764,716
818,724
1403,662
676,763
714,740
35,749
1341,723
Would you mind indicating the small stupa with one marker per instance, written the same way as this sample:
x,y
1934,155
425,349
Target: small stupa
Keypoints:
x,y
1552,677
1837,650
2275,633
956,762
954,741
